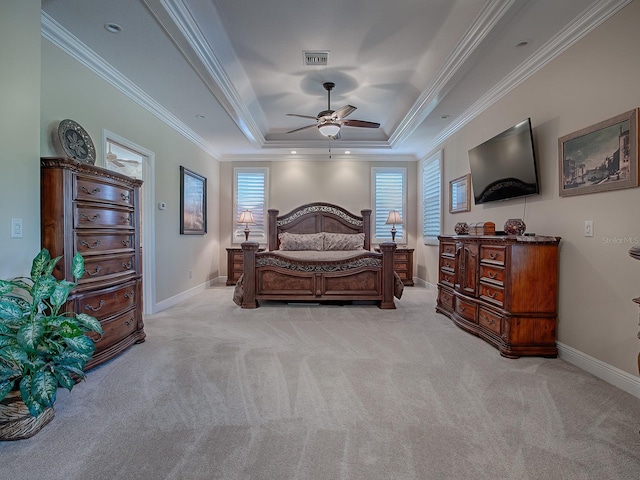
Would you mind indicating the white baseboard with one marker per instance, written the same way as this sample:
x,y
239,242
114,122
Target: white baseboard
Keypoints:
x,y
610,374
420,282
171,301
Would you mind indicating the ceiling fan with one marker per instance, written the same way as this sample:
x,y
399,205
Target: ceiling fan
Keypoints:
x,y
119,162
329,122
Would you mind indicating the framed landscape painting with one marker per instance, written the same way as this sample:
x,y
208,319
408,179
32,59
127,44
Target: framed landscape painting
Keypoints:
x,y
193,203
459,194
601,157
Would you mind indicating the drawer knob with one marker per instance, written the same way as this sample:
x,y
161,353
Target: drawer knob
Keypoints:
x,y
492,274
95,272
128,322
87,191
126,219
126,265
125,242
462,309
95,309
93,245
493,255
125,196
129,295
90,219
490,294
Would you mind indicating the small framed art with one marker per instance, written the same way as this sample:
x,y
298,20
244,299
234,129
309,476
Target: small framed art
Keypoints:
x,y
193,203
459,194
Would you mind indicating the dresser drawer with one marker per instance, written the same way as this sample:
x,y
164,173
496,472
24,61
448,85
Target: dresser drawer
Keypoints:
x,y
447,278
448,249
445,299
116,328
97,191
492,294
97,243
448,264
492,254
104,303
400,267
100,267
490,320
401,256
492,275
466,309
86,216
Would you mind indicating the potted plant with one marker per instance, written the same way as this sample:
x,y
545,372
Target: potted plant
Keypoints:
x,y
42,347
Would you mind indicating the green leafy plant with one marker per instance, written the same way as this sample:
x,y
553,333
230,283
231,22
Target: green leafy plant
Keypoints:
x,y
41,347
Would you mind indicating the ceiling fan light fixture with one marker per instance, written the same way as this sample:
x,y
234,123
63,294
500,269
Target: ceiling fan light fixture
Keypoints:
x,y
329,129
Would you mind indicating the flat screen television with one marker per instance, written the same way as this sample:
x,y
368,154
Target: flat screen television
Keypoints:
x,y
504,166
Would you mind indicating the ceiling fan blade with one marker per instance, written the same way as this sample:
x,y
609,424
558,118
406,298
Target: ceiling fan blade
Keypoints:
x,y
302,128
115,161
360,123
344,111
301,116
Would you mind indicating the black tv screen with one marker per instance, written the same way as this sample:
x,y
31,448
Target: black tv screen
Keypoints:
x,y
505,166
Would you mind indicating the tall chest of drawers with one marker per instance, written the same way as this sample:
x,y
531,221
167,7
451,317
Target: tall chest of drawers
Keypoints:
x,y
95,212
503,289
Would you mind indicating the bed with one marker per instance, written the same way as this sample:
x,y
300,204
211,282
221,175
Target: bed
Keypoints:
x,y
318,252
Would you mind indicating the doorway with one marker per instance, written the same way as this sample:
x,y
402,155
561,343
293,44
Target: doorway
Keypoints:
x,y
123,156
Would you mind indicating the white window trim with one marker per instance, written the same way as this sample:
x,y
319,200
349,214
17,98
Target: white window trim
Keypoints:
x,y
238,229
436,157
401,237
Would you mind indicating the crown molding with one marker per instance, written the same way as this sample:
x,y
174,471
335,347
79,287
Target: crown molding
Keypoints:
x,y
67,42
492,12
582,25
222,88
314,157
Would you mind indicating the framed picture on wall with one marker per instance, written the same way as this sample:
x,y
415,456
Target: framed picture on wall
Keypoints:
x,y
193,203
459,194
601,157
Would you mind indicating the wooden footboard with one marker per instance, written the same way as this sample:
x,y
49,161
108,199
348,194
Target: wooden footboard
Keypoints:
x,y
268,276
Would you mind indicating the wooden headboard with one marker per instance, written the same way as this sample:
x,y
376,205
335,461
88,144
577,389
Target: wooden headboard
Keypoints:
x,y
319,217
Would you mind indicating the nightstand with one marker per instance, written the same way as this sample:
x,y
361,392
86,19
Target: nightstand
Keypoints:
x,y
235,261
403,264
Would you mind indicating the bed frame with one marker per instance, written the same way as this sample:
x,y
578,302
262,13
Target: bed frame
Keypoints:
x,y
268,276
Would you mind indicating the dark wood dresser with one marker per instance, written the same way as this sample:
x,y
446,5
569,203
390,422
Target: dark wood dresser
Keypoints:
x,y
503,289
95,212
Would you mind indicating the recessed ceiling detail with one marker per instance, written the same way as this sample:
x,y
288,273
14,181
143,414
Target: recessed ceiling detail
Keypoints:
x,y
315,58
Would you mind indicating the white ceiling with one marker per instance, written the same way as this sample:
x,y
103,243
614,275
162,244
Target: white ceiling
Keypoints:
x,y
420,68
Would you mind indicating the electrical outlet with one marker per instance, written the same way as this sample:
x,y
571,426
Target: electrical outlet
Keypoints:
x,y
588,228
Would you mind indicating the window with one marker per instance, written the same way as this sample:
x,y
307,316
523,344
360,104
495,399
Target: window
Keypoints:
x,y
432,198
250,190
389,191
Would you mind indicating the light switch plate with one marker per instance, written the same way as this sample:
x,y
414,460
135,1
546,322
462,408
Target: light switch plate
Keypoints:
x,y
16,228
588,228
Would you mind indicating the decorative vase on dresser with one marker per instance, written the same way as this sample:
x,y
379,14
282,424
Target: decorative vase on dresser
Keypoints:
x,y
96,212
503,289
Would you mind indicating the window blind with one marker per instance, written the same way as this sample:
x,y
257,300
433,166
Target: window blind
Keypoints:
x,y
250,194
432,197
389,192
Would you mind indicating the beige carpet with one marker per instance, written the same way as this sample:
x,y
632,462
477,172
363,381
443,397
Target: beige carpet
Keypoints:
x,y
329,392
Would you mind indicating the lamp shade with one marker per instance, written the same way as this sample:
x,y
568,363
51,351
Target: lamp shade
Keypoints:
x,y
329,129
246,217
394,218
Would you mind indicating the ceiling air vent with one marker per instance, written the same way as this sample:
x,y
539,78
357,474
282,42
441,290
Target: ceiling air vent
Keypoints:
x,y
315,58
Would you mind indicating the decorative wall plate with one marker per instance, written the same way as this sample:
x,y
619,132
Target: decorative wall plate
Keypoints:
x,y
76,142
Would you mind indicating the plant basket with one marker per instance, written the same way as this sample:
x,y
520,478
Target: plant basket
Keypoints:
x,y
16,423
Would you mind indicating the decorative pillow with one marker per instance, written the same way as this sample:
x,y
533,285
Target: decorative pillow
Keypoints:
x,y
343,241
301,241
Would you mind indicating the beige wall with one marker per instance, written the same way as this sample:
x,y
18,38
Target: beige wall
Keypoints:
x,y
294,182
70,90
592,81
19,130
